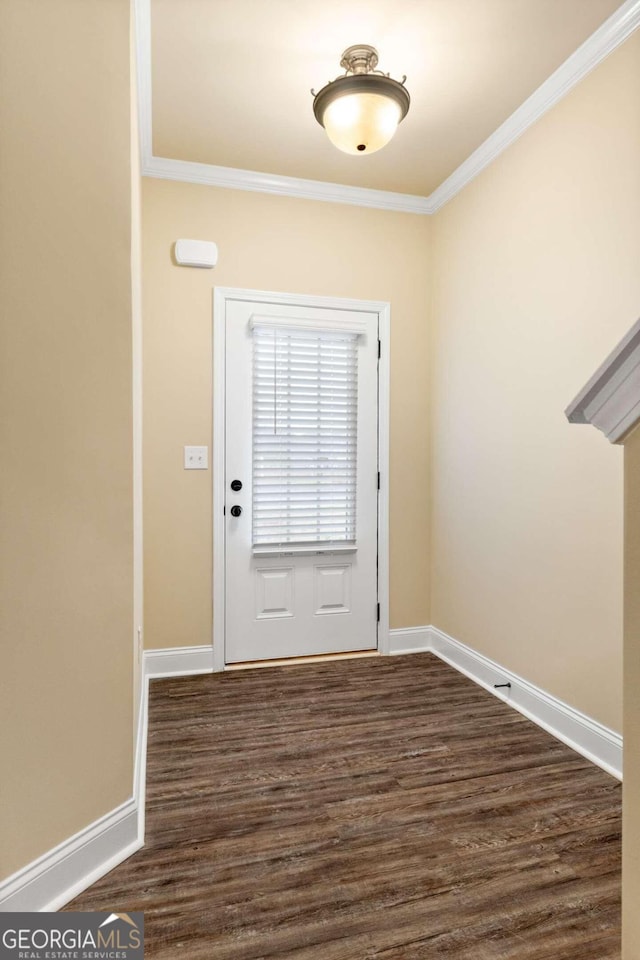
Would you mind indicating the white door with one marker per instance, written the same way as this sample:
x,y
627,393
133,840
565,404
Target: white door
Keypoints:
x,y
301,464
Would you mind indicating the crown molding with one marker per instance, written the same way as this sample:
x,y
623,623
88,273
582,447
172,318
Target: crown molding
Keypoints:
x,y
593,51
232,178
575,68
611,399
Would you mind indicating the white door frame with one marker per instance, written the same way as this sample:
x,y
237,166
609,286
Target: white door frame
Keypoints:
x,y
221,295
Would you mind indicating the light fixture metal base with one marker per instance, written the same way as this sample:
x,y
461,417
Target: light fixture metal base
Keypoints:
x,y
361,83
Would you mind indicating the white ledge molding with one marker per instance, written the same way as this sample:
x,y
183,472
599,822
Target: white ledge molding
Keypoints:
x,y
611,398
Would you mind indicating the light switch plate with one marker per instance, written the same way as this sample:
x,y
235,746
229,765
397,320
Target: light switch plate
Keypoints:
x,y
196,458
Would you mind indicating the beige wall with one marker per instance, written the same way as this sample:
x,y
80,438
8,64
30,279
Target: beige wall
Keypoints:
x,y
535,280
631,806
65,288
282,244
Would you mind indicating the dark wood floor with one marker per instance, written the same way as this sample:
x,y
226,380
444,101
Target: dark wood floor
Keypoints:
x,y
374,808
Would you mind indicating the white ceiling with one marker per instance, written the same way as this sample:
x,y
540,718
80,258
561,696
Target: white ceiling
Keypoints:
x,y
231,79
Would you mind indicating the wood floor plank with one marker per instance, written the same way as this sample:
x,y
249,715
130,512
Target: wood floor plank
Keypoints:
x,y
367,809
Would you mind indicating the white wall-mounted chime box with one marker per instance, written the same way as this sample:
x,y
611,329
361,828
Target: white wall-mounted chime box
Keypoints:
x,y
196,253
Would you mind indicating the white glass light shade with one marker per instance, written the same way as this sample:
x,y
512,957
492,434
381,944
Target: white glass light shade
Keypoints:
x,y
361,123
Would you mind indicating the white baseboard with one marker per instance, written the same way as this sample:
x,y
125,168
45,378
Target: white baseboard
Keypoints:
x,y
409,640
55,878
587,737
178,661
58,876
61,874
140,760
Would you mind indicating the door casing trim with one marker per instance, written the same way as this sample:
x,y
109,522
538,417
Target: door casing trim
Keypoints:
x,y
221,295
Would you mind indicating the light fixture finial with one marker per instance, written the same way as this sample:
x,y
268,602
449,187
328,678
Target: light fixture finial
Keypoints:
x,y
360,58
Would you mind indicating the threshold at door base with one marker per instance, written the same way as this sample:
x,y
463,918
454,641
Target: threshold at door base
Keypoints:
x,y
293,661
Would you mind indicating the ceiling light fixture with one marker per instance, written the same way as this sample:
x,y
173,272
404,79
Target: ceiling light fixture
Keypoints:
x,y
361,110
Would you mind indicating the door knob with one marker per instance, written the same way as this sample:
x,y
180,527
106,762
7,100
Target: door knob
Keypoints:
x,y
236,511
236,485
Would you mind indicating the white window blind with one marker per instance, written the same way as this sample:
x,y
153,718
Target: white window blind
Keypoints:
x,y
305,396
